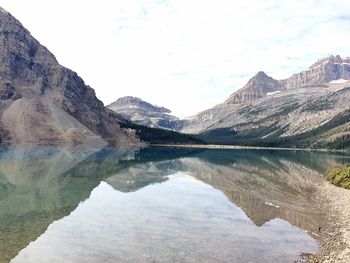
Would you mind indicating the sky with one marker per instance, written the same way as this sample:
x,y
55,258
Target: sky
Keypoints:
x,y
186,55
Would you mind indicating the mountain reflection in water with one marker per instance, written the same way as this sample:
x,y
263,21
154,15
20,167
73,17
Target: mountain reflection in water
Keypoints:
x,y
41,185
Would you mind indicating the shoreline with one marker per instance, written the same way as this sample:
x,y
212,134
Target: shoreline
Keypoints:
x,y
238,147
335,235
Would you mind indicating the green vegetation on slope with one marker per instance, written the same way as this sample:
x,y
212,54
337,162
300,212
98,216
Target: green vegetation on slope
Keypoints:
x,y
269,136
160,136
339,176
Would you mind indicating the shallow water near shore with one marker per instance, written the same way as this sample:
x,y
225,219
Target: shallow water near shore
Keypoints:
x,y
159,204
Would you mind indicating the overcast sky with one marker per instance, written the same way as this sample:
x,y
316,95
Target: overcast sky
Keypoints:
x,y
186,55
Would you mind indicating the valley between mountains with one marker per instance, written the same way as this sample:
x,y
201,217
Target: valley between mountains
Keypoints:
x,y
73,167
308,110
44,102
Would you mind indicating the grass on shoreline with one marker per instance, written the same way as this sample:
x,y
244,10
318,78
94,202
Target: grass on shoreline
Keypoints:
x,y
339,176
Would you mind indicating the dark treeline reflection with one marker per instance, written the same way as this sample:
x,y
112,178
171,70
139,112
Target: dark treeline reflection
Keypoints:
x,y
39,185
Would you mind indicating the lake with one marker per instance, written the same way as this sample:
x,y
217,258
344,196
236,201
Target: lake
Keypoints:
x,y
159,204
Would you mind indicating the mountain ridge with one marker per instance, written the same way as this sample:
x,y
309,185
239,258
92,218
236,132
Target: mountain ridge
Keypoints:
x,y
257,87
323,71
144,113
309,109
44,102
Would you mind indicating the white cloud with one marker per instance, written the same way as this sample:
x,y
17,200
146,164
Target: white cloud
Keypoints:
x,y
185,55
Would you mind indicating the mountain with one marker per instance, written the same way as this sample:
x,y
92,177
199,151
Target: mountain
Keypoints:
x,y
257,87
151,123
144,113
309,109
323,71
44,102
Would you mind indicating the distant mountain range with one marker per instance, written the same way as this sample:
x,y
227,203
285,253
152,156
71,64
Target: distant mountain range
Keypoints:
x,y
323,71
44,102
309,109
144,113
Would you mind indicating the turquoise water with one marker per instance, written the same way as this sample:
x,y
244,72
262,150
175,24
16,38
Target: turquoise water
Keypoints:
x,y
159,204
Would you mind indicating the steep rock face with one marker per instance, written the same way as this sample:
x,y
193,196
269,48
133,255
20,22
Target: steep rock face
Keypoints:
x,y
133,102
323,71
257,87
310,109
316,117
43,102
144,113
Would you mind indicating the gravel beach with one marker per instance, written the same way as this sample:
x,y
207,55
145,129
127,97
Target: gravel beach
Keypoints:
x,y
335,236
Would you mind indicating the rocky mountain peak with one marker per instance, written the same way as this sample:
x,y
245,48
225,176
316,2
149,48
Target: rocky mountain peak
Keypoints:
x,y
257,87
261,74
335,59
323,71
144,113
321,63
2,10
22,55
44,102
127,100
134,102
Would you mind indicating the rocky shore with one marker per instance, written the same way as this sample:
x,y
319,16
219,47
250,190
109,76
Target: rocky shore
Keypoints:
x,y
335,235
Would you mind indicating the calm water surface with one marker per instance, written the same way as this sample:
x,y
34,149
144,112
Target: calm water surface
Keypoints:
x,y
158,205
